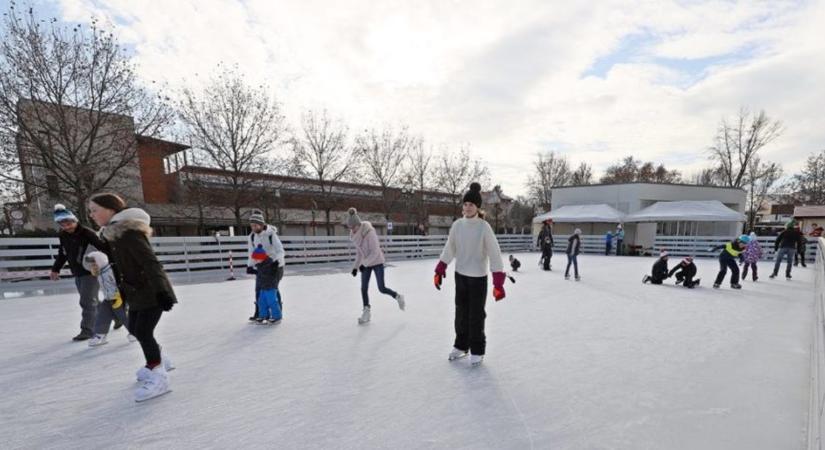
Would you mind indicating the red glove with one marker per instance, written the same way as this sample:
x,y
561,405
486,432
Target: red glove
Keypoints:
x,y
440,274
498,285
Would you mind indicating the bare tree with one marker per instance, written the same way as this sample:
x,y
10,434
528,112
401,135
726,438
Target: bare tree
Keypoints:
x,y
809,184
321,148
70,107
739,142
583,175
419,176
454,173
625,171
549,170
707,177
760,177
382,155
236,127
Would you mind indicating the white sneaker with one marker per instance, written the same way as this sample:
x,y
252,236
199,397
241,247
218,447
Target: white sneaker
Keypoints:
x,y
131,338
401,303
365,316
156,384
98,339
476,359
456,354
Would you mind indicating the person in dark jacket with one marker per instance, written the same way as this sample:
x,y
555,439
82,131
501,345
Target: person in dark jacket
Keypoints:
x,y
786,246
75,240
545,243
799,258
574,244
727,260
142,282
514,263
659,272
684,273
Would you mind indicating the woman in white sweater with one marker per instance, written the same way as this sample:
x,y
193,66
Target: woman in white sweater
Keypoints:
x,y
475,249
369,258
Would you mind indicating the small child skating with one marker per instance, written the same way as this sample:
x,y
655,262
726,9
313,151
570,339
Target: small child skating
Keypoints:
x,y
751,256
684,272
514,263
268,305
727,260
659,272
474,247
265,237
112,306
608,243
574,244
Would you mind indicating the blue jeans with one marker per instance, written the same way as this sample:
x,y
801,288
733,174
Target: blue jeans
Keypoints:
x,y
572,259
379,278
784,251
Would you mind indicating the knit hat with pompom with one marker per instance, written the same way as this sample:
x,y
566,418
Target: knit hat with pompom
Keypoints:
x,y
473,195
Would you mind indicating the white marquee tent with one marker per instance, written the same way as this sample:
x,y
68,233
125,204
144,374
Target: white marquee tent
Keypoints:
x,y
582,214
686,211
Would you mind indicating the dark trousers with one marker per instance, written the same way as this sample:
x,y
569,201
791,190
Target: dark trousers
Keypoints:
x,y
727,262
687,281
608,246
142,325
279,274
572,259
799,258
619,250
87,287
546,256
752,266
470,297
379,278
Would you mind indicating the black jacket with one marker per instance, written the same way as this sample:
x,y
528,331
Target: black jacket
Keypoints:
x,y
788,239
574,244
545,238
141,279
73,247
267,274
515,264
688,270
660,269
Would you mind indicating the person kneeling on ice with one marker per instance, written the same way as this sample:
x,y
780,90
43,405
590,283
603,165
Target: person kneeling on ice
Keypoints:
x,y
684,272
266,280
659,272
369,258
474,247
514,263
112,306
727,260
265,236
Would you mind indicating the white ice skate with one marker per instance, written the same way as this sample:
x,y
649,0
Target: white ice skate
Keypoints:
x,y
98,339
401,303
476,360
155,385
365,316
143,373
456,354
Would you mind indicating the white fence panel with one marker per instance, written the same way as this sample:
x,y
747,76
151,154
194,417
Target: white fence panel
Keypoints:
x,y
816,405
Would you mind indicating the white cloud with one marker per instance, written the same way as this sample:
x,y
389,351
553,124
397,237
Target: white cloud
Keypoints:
x,y
506,76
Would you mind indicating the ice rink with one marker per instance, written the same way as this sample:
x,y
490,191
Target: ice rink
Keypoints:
x,y
605,363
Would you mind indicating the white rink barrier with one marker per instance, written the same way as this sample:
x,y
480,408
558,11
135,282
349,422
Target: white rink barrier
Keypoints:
x,y
817,398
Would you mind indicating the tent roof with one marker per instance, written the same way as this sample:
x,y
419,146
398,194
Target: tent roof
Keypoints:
x,y
581,213
695,211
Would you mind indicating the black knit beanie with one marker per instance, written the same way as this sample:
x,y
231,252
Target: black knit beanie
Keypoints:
x,y
473,195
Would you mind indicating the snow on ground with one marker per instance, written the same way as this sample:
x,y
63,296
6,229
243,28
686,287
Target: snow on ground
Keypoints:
x,y
603,363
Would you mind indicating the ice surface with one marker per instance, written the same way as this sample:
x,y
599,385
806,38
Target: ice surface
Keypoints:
x,y
603,363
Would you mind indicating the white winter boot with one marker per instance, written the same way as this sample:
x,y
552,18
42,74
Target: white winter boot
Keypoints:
x,y
155,385
476,359
401,304
456,354
98,339
365,316
143,373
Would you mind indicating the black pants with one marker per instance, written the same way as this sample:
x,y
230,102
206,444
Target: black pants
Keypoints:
x,y
657,278
799,258
278,275
142,325
727,262
687,281
546,256
752,266
470,297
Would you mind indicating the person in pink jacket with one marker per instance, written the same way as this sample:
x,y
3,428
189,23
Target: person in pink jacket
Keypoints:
x,y
369,258
751,256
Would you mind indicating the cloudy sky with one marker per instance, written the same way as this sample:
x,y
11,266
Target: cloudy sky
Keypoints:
x,y
593,80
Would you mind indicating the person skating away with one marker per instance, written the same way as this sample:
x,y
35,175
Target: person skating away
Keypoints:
x,y
142,283
265,236
369,259
801,247
727,260
608,243
474,247
266,270
785,246
545,243
75,240
659,272
112,306
684,273
619,235
574,244
751,256
514,263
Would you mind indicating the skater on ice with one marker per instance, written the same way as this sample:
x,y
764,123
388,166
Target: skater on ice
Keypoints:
x,y
142,283
619,235
545,243
369,258
751,256
474,247
514,263
574,244
785,246
728,260
608,242
659,272
684,273
112,306
801,247
266,237
266,281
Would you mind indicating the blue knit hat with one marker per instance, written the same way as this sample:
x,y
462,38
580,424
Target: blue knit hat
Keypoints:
x,y
61,213
259,254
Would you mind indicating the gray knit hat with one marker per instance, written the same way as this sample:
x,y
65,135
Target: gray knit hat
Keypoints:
x,y
257,217
352,218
